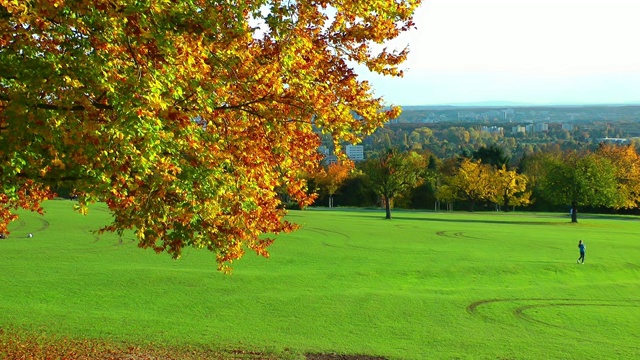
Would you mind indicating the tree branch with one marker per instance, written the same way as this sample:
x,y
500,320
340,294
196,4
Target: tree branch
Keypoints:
x,y
24,175
45,106
135,60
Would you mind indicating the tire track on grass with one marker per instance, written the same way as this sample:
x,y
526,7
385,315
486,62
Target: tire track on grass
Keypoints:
x,y
521,311
346,244
456,235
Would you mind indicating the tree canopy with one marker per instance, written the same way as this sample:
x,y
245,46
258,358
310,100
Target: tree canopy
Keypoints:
x,y
492,155
510,188
393,172
184,117
578,179
627,173
473,181
331,178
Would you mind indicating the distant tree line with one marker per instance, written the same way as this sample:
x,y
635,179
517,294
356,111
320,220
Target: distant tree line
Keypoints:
x,y
604,180
444,140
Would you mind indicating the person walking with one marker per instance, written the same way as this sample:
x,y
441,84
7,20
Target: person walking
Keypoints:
x,y
582,248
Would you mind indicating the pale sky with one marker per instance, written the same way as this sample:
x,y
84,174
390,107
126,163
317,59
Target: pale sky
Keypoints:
x,y
528,51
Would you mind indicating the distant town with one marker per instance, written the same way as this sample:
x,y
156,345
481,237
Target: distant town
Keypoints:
x,y
449,130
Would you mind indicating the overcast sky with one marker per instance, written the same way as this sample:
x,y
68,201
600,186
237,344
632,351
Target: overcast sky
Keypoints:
x,y
527,51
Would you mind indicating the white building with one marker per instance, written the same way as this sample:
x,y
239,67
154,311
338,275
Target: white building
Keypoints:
x,y
537,127
541,127
493,129
518,129
355,152
508,113
616,141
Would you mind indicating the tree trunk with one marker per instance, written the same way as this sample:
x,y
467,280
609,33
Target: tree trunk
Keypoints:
x,y
506,204
574,212
330,201
387,207
472,205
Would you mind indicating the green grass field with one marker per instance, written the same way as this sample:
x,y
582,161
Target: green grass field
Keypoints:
x,y
421,286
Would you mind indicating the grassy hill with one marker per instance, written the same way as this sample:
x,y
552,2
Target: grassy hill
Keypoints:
x,y
424,285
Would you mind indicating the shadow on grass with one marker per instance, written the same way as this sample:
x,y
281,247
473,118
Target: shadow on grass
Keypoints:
x,y
466,221
369,213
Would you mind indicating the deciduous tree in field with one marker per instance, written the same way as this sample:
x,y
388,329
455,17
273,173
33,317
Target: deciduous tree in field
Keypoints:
x,y
443,173
393,172
577,179
433,177
331,178
185,116
510,188
472,181
626,161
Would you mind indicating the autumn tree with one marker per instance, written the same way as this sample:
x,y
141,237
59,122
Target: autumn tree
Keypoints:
x,y
510,188
472,182
443,191
330,178
448,194
392,173
626,161
185,116
577,179
432,178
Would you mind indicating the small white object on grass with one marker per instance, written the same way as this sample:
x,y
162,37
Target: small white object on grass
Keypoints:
x,y
30,235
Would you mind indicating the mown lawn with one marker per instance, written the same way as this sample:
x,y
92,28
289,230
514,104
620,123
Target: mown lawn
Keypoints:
x,y
424,285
